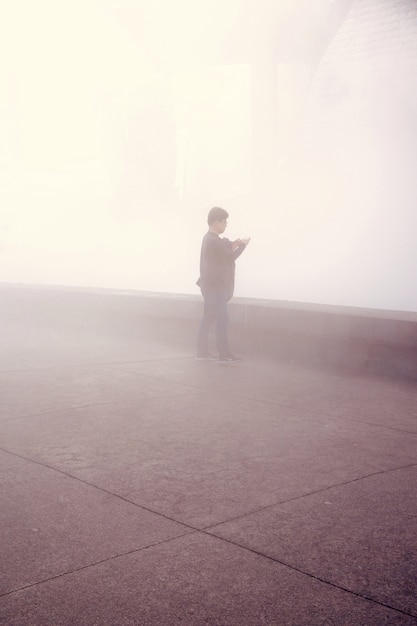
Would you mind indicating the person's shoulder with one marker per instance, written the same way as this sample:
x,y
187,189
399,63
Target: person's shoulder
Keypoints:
x,y
210,237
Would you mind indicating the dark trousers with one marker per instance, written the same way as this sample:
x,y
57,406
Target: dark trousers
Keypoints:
x,y
215,310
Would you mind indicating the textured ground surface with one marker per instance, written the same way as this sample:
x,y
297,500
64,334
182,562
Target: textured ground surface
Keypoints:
x,y
141,487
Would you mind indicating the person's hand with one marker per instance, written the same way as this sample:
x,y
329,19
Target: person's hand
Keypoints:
x,y
246,240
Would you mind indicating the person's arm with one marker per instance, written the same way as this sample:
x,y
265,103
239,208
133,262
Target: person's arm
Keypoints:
x,y
238,246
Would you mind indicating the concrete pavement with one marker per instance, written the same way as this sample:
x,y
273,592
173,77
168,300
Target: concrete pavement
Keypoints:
x,y
142,487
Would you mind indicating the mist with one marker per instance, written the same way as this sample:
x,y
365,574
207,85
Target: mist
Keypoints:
x,y
123,122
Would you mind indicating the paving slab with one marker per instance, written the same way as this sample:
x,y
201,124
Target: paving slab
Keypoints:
x,y
192,580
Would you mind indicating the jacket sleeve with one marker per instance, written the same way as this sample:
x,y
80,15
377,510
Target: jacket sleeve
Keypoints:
x,y
227,250
240,247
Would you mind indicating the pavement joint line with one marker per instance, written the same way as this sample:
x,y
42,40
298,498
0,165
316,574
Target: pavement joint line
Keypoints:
x,y
102,489
201,389
313,576
277,404
94,364
93,564
307,495
76,407
324,414
222,539
133,401
253,512
269,506
204,531
217,524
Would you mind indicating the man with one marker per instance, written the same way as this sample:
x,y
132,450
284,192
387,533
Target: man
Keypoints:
x,y
217,277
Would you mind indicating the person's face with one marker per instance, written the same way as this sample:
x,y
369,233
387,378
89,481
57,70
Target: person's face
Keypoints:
x,y
221,226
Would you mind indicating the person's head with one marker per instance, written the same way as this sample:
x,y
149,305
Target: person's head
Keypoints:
x,y
217,220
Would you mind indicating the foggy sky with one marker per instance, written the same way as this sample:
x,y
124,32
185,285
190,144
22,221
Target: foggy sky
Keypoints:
x,y
113,151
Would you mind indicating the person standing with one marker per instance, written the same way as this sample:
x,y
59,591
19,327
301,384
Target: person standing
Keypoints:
x,y
216,281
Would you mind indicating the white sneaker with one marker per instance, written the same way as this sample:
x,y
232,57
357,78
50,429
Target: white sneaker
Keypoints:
x,y
205,357
230,359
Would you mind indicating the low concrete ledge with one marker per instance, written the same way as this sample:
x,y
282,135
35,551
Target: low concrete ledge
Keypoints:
x,y
354,339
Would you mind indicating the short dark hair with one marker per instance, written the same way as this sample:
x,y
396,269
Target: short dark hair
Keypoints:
x,y
216,214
